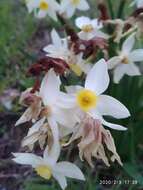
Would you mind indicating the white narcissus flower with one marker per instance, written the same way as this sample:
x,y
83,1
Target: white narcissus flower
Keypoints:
x,y
42,8
54,101
60,49
90,28
69,6
124,62
59,46
48,166
90,99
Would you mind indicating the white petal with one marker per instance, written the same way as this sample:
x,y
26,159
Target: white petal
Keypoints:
x,y
66,101
96,23
65,117
56,38
64,5
113,62
69,170
41,14
26,116
132,70
82,21
27,159
54,152
32,4
30,140
70,11
139,3
95,114
98,78
100,34
36,126
119,72
108,105
113,126
49,88
60,179
73,89
136,55
83,5
128,43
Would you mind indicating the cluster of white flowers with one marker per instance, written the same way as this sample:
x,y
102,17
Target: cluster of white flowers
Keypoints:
x,y
62,113
41,8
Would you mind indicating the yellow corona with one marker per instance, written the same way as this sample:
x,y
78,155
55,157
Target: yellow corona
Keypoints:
x,y
44,171
86,99
43,5
75,2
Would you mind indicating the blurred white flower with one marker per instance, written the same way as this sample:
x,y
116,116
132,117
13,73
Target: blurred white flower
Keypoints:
x,y
48,166
124,62
69,7
42,8
139,3
90,28
60,49
90,99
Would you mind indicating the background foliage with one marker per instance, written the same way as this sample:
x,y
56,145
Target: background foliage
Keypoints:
x,y
21,40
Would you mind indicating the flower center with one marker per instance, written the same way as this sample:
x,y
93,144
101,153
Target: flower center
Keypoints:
x,y
44,171
125,60
86,99
76,69
87,28
43,5
75,2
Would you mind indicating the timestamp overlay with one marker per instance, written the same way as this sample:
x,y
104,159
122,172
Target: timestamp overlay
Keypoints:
x,y
118,182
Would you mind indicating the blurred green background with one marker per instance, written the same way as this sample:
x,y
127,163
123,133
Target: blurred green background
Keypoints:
x,y
21,40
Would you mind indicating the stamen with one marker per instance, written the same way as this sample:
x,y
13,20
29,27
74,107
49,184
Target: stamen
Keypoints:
x,y
87,28
86,99
75,2
44,171
44,5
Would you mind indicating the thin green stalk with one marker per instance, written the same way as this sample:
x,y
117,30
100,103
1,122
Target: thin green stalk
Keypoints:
x,y
111,9
121,9
132,145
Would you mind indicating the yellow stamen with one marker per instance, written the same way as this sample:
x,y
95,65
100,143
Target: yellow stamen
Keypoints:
x,y
44,5
76,69
44,171
75,2
87,28
125,60
86,99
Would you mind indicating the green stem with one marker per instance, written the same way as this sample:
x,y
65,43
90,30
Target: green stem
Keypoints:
x,y
110,8
121,8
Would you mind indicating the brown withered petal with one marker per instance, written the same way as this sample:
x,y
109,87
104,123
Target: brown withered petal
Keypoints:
x,y
94,140
103,11
31,113
31,139
28,97
46,63
137,12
